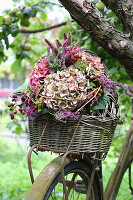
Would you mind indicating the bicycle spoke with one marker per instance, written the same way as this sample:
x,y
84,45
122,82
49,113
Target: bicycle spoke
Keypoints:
x,y
76,184
73,194
72,183
54,194
78,196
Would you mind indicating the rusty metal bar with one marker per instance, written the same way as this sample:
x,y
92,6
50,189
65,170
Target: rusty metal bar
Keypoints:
x,y
62,171
91,180
29,163
63,160
40,140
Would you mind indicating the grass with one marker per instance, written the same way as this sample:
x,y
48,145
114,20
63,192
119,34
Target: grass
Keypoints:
x,y
14,177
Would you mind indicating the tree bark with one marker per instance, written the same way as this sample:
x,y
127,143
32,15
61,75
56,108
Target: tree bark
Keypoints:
x,y
124,10
115,42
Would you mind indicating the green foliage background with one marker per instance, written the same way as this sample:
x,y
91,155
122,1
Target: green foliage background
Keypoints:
x,y
25,50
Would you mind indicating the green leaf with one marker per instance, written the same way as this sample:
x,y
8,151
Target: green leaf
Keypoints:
x,y
102,103
105,98
22,88
25,54
3,57
6,42
19,102
18,130
1,46
35,52
36,26
7,102
110,14
16,41
85,38
44,16
91,85
99,106
14,30
16,66
25,21
1,20
45,110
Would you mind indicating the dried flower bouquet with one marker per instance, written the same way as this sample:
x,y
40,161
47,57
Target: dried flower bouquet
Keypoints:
x,y
64,83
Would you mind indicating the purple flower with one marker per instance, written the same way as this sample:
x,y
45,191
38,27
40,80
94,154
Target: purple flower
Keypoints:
x,y
63,115
107,83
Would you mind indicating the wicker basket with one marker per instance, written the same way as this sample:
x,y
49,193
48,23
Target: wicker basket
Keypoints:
x,y
94,133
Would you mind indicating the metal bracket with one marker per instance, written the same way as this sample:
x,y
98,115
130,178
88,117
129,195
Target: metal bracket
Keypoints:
x,y
29,163
68,153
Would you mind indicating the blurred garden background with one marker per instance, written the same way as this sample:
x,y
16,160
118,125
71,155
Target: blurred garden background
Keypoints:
x,y
24,24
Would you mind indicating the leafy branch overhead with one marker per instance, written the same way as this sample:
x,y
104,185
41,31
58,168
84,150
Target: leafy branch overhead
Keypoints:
x,y
43,29
111,27
30,18
117,43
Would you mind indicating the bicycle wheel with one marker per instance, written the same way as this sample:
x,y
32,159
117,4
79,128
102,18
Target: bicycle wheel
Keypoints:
x,y
77,176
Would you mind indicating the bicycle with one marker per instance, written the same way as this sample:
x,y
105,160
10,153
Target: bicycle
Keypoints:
x,y
76,174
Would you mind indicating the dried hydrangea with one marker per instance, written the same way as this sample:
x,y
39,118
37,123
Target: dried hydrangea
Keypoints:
x,y
86,60
66,84
39,72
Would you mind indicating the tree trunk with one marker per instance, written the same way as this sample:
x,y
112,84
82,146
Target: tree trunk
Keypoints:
x,y
116,43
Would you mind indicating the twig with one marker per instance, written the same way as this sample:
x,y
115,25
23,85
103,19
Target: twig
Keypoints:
x,y
43,2
43,29
127,88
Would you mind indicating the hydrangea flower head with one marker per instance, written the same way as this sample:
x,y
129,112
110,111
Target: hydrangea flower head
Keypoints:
x,y
68,86
39,72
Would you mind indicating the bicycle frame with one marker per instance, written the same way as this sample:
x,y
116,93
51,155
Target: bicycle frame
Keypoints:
x,y
124,161
38,189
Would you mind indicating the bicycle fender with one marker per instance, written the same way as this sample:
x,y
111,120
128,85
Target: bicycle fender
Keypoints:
x,y
44,180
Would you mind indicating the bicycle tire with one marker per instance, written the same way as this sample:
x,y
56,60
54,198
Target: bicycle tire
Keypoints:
x,y
80,168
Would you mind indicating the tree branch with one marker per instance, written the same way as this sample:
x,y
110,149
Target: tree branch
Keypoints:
x,y
43,29
124,11
113,41
50,3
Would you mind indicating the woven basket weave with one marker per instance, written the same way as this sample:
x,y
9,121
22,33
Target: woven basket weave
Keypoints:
x,y
94,133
